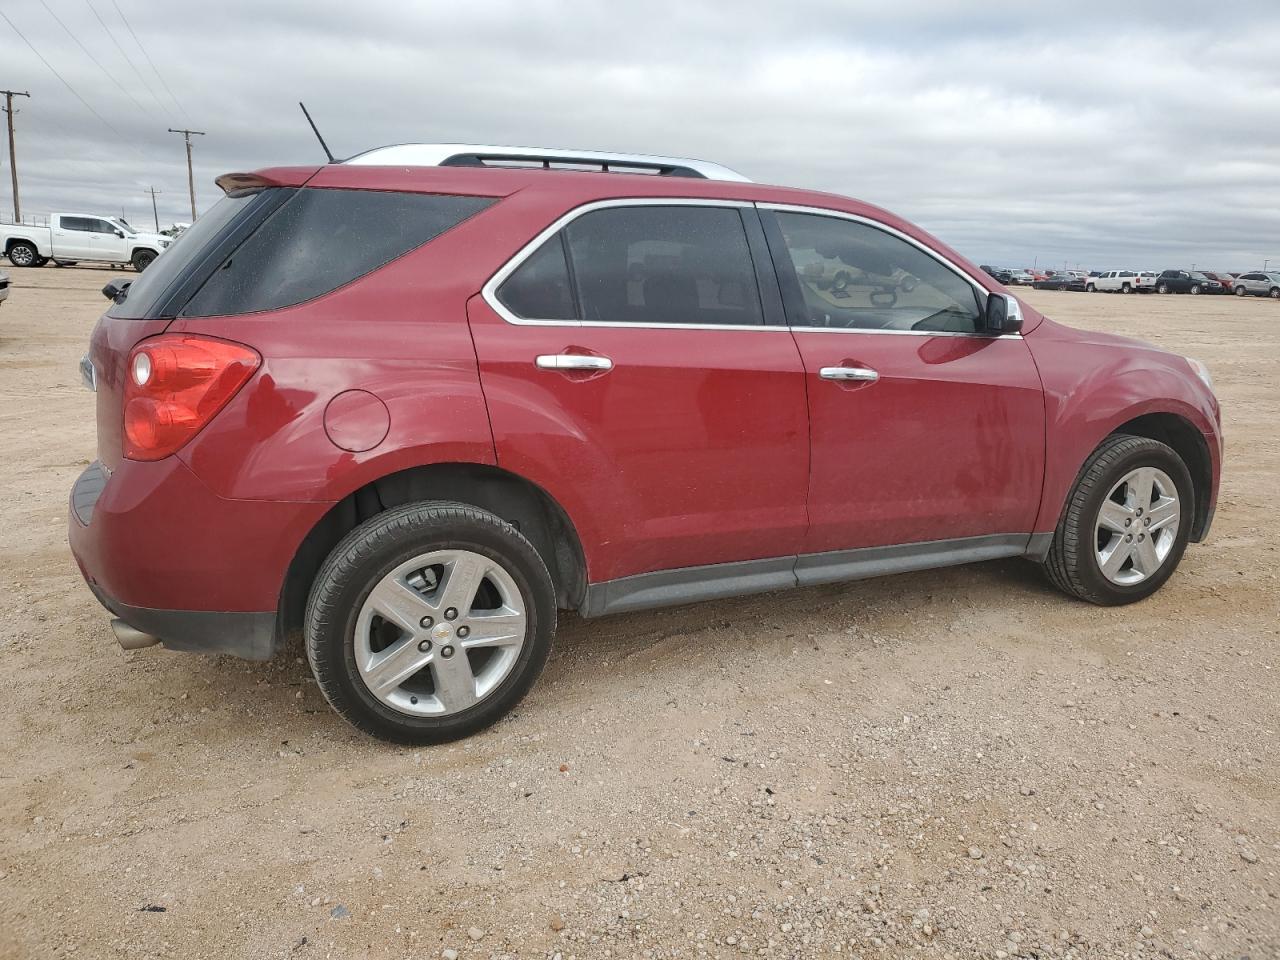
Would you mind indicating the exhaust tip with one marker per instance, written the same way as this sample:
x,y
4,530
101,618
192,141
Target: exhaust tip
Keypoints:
x,y
130,638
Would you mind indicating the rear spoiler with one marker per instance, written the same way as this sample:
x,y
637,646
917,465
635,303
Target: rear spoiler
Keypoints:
x,y
240,184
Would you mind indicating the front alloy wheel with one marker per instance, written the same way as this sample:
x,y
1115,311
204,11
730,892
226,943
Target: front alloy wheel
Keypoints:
x,y
1137,526
1125,525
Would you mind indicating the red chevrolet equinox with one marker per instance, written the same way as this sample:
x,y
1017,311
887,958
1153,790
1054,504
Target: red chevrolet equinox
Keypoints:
x,y
414,404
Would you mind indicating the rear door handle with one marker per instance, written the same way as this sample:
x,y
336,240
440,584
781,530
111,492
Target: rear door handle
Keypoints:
x,y
572,361
849,373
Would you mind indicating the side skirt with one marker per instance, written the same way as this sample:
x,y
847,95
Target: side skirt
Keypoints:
x,y
665,588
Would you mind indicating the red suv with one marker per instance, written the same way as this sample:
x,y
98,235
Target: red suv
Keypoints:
x,y
414,404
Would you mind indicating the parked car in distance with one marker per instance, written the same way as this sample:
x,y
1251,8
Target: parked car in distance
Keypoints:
x,y
1258,284
76,237
616,391
1060,281
4,286
1119,281
1022,278
1187,281
1225,280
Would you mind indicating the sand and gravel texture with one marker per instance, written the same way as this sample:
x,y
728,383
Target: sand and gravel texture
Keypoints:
x,y
955,764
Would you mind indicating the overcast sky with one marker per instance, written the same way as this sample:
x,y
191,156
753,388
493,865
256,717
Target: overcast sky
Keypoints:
x,y
1132,134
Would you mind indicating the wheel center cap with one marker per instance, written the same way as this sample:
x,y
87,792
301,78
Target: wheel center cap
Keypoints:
x,y
441,632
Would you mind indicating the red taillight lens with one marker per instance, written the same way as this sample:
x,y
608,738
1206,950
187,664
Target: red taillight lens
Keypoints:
x,y
173,385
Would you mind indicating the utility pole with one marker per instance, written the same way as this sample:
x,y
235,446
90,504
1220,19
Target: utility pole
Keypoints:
x,y
13,156
191,180
155,213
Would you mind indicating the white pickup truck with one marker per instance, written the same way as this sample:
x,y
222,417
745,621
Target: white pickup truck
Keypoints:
x,y
1121,281
72,237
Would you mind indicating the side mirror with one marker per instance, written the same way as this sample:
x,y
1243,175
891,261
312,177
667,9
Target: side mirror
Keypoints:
x,y
120,234
1003,314
117,289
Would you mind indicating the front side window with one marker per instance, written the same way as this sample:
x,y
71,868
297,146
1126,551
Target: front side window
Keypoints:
x,y
853,275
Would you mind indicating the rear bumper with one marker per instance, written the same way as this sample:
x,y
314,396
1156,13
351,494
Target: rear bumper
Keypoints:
x,y
172,559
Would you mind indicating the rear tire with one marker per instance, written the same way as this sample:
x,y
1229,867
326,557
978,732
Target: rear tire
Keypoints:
x,y
1163,288
1075,561
1126,289
1090,288
23,254
143,259
422,697
1240,291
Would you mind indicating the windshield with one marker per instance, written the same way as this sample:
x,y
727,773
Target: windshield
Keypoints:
x,y
123,224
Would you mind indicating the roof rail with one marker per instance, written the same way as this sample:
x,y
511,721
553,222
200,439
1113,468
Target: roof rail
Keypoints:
x,y
475,155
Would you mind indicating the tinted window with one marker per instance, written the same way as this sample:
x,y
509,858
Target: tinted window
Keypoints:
x,y
146,292
79,224
855,275
320,240
654,264
539,289
100,226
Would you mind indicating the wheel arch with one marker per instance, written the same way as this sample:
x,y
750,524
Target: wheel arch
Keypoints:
x,y
1188,443
523,504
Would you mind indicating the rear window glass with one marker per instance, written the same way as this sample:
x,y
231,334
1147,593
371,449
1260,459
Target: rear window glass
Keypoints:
x,y
147,290
321,239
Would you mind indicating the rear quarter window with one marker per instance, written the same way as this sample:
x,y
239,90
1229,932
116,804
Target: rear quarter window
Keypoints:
x,y
322,239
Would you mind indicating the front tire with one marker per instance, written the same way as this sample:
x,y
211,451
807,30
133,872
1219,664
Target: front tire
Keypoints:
x,y
1195,289
1090,288
143,259
1274,293
429,622
1126,289
1126,523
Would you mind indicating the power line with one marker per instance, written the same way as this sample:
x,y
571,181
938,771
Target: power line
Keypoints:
x,y
75,93
127,59
90,55
154,69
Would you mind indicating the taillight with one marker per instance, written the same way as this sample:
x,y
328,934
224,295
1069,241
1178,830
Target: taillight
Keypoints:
x,y
174,384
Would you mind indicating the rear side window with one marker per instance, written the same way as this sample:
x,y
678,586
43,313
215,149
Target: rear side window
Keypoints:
x,y
539,289
654,264
321,239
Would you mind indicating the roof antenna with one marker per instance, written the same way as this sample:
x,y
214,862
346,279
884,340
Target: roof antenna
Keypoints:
x,y
324,146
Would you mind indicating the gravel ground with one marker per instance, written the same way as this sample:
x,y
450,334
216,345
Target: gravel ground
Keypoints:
x,y
956,764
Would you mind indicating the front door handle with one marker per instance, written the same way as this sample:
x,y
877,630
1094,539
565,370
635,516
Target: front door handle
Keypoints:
x,y
572,361
849,373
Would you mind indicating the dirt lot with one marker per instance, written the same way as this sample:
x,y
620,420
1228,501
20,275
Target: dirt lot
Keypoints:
x,y
959,764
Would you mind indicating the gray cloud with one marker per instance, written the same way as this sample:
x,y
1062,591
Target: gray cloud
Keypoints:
x,y
1144,137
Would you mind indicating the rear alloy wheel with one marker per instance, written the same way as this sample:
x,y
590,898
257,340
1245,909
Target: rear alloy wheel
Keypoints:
x,y
429,622
23,254
143,259
1240,291
1126,524
1126,289
1090,288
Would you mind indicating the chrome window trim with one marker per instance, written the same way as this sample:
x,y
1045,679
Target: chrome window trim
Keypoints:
x,y
923,248
490,290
